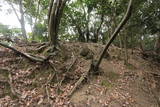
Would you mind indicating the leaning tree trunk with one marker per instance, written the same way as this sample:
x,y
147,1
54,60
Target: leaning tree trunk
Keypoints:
x,y
54,17
95,66
114,35
157,44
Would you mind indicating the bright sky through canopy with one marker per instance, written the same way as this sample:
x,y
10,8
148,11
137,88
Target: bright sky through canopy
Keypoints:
x,y
7,18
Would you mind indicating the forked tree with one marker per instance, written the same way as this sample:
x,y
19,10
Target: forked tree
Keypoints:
x,y
54,16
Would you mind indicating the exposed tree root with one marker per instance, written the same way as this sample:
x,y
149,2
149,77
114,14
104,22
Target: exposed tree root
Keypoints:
x,y
14,92
69,69
27,56
73,63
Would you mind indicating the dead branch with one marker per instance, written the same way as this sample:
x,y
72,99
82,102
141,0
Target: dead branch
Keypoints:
x,y
69,69
73,63
25,55
81,79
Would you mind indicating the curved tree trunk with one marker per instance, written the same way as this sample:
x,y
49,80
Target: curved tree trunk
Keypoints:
x,y
114,35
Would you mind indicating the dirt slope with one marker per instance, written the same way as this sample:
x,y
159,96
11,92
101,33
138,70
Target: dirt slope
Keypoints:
x,y
23,83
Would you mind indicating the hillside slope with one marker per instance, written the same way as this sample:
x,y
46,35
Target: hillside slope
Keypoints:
x,y
24,83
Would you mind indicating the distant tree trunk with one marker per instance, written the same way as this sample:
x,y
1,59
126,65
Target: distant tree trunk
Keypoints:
x,y
141,44
81,37
96,32
54,16
120,44
157,44
132,43
104,38
37,15
21,18
87,25
87,35
95,66
125,49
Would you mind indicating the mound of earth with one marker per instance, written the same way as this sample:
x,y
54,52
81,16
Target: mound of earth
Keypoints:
x,y
26,83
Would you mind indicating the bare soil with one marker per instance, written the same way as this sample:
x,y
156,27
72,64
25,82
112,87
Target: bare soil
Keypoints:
x,y
39,85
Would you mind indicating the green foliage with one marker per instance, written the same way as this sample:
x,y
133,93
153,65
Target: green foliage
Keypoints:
x,y
39,33
82,15
4,30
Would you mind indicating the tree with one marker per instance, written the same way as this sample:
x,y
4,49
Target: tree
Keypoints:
x,y
117,30
54,16
21,18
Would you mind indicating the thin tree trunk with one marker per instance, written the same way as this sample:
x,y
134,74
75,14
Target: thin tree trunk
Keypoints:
x,y
120,44
21,18
157,44
96,33
37,15
125,49
120,26
81,37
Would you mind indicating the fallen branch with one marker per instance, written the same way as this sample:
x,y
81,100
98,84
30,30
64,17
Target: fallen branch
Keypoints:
x,y
81,79
68,70
27,56
71,66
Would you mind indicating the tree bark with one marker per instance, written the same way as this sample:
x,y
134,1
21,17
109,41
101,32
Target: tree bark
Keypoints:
x,y
81,37
120,26
55,14
125,48
22,20
157,44
96,33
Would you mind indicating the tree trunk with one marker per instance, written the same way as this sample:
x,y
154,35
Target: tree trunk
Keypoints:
x,y
96,32
125,49
120,26
157,44
120,44
55,14
81,37
21,18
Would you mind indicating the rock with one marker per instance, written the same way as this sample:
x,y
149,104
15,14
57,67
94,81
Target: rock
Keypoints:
x,y
87,53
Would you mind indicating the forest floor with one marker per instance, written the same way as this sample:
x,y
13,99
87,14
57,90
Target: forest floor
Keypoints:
x,y
27,84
